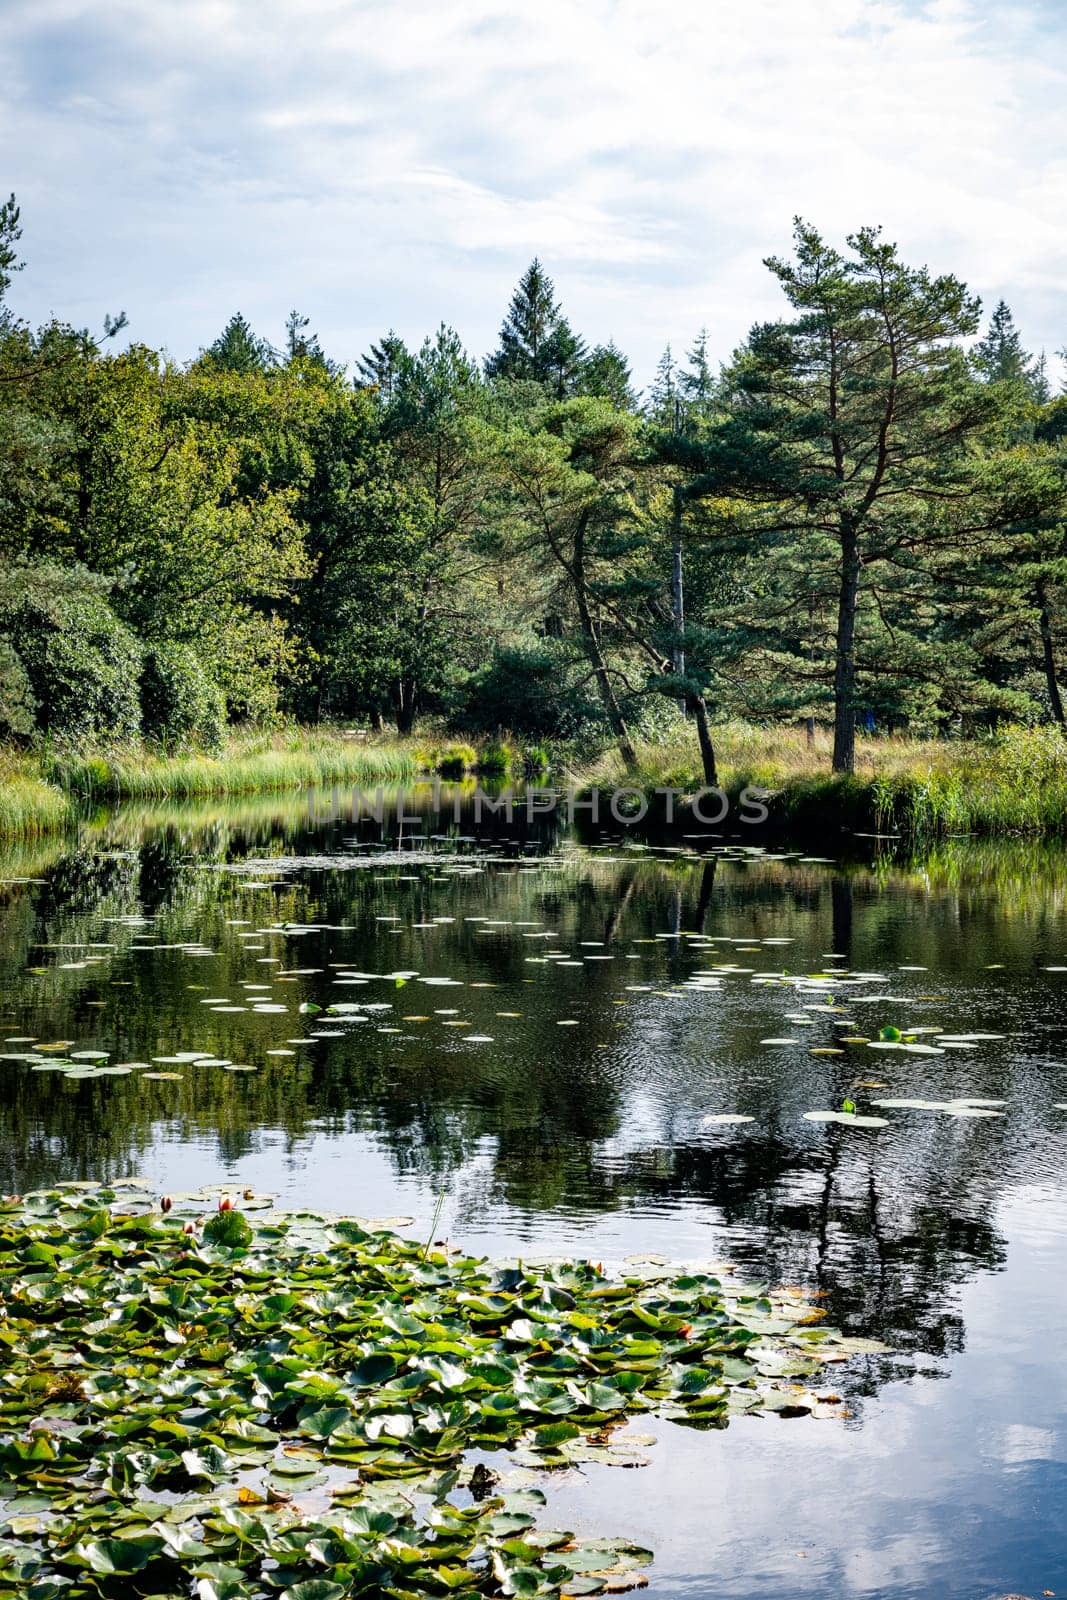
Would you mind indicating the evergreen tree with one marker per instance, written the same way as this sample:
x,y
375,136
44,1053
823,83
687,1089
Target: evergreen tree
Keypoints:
x,y
537,343
606,375
383,365
532,318
238,349
563,361
300,345
664,397
697,381
10,234
1001,357
858,427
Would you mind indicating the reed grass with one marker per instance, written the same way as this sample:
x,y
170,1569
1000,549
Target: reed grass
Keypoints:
x,y
41,791
248,763
1014,782
30,806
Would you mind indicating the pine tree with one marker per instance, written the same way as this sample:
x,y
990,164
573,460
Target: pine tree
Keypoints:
x,y
863,407
10,234
238,349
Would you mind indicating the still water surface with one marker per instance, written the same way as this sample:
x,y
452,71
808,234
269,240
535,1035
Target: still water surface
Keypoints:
x,y
536,1033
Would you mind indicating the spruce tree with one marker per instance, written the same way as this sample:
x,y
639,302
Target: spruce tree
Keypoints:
x,y
664,396
239,349
696,381
383,364
300,345
537,343
1001,357
606,375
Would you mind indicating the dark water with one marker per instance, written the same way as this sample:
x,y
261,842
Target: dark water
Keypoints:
x,y
578,1125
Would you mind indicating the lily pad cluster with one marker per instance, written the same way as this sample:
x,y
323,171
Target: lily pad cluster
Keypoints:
x,y
284,1405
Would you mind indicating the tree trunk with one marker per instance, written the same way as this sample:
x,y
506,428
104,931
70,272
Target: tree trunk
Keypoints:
x,y
845,660
616,719
678,595
405,705
375,718
698,705
1049,653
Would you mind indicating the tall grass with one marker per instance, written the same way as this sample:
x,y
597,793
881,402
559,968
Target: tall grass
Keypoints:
x,y
248,763
29,805
1015,782
43,791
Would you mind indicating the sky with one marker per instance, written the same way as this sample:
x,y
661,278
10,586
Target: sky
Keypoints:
x,y
396,163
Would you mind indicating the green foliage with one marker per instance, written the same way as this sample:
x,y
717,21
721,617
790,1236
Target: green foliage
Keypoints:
x,y
535,690
179,702
80,663
456,759
210,1352
17,703
862,515
238,349
497,758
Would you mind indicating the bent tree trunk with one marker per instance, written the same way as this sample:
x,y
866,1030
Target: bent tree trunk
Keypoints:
x,y
698,706
616,720
845,658
1048,653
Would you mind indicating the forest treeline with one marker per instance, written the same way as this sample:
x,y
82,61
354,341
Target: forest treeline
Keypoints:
x,y
858,518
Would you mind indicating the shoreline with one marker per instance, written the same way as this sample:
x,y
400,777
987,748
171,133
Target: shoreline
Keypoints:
x,y
909,790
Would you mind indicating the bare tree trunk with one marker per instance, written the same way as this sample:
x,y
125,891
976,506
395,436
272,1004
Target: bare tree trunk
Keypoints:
x,y
678,596
1049,653
404,693
616,720
845,663
698,706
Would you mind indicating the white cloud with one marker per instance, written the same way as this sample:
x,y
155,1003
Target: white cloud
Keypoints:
x,y
381,164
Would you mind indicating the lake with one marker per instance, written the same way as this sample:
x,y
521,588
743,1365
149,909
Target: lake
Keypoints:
x,y
520,1039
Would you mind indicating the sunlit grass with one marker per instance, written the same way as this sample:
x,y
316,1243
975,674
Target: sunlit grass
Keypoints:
x,y
1014,782
41,791
29,804
249,762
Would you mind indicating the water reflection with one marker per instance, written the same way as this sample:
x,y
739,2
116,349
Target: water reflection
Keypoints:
x,y
579,1126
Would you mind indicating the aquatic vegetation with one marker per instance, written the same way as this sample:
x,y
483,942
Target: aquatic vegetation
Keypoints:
x,y
284,1402
39,792
455,760
497,758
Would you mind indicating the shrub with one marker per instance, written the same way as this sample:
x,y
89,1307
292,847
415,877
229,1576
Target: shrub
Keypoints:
x,y
179,701
82,664
538,693
17,704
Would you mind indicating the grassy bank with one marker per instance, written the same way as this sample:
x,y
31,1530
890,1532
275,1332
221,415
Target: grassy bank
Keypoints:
x,y
40,793
920,789
29,804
